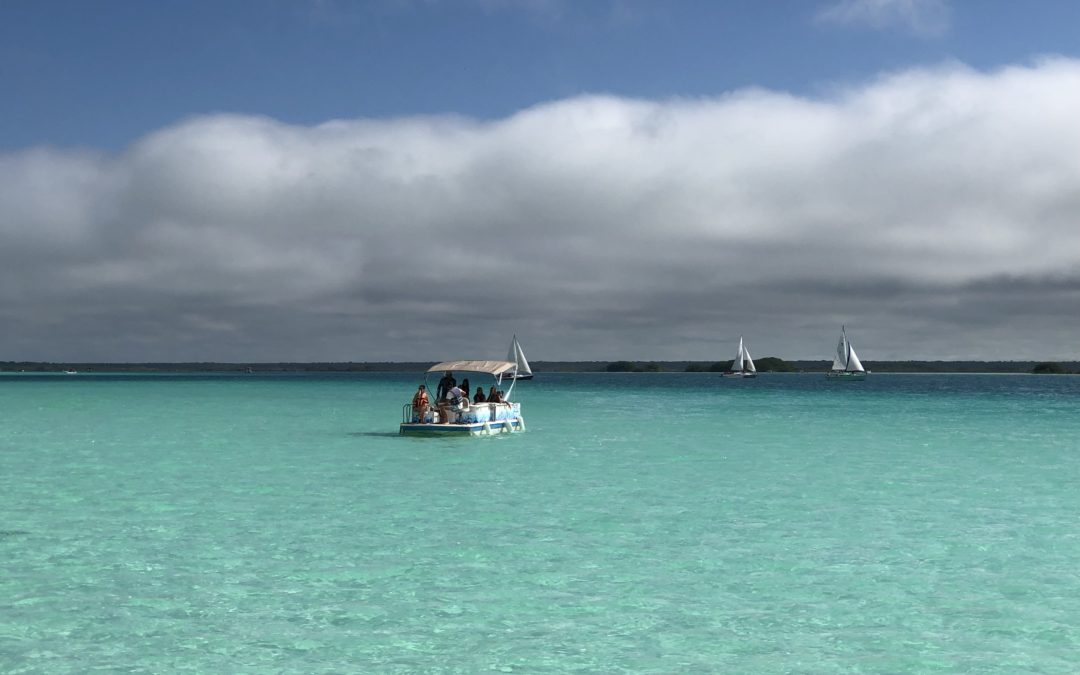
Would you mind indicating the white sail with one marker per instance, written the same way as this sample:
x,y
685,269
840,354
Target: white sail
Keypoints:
x,y
511,354
518,356
737,364
846,358
839,361
853,363
748,363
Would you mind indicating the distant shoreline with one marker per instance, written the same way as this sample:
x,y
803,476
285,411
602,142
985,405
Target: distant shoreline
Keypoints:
x,y
537,366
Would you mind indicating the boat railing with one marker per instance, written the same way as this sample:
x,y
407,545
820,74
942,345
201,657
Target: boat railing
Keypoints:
x,y
407,413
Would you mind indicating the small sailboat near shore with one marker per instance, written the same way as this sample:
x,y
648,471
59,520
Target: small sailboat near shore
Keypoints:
x,y
846,365
517,355
743,365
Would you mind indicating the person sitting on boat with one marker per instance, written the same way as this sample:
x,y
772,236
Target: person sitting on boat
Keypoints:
x,y
464,386
479,396
445,383
420,404
492,394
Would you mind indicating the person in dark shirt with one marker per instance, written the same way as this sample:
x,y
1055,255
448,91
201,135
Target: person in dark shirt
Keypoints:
x,y
479,397
445,384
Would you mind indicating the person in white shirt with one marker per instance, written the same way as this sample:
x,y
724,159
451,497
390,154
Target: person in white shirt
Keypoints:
x,y
456,400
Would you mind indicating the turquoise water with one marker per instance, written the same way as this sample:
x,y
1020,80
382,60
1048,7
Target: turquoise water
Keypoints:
x,y
653,523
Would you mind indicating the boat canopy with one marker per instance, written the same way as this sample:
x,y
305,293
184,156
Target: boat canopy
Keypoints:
x,y
490,367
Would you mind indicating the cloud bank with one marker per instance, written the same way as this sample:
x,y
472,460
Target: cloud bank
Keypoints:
x,y
932,211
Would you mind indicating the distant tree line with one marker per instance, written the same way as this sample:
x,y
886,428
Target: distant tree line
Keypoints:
x,y
210,367
767,364
631,367
1051,368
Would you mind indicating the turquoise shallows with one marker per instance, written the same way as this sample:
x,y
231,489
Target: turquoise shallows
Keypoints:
x,y
648,523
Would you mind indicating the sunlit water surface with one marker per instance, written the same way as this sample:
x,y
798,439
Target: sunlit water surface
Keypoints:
x,y
652,523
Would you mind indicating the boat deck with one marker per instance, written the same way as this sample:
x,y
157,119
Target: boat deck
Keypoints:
x,y
480,419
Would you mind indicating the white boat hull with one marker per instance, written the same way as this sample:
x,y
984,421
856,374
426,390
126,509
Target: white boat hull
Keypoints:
x,y
474,429
739,375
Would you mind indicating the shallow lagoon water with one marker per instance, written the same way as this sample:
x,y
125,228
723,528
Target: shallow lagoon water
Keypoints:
x,y
649,523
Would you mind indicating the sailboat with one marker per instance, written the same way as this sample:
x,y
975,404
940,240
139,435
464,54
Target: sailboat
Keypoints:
x,y
846,364
743,365
516,355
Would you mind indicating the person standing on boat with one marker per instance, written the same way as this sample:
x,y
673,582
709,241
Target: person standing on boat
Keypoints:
x,y
420,404
456,400
445,384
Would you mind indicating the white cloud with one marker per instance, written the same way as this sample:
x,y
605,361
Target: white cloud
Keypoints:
x,y
922,17
929,210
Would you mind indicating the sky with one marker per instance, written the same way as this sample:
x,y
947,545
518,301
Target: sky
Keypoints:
x,y
324,180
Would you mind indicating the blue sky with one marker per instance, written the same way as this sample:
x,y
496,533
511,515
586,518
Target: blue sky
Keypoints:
x,y
104,73
325,180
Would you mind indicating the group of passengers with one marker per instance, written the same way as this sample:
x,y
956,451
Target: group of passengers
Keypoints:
x,y
449,396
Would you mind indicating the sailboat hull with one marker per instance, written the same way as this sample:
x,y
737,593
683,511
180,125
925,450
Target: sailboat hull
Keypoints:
x,y
519,376
738,375
845,375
